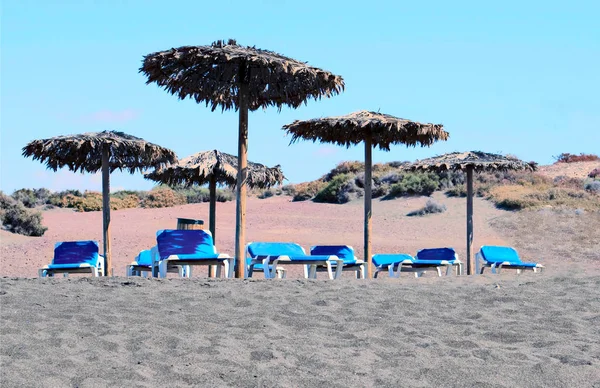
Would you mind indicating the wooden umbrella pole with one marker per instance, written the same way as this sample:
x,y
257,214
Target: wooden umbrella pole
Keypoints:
x,y
106,209
240,214
469,218
212,186
367,232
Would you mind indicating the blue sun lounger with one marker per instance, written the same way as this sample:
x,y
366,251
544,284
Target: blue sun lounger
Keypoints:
x,y
177,247
271,254
500,257
426,259
144,265
75,257
344,252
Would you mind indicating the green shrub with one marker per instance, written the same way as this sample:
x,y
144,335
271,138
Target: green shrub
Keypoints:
x,y
32,197
380,190
332,192
18,219
415,184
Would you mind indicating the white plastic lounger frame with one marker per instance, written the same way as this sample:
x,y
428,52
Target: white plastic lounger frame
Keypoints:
x,y
143,270
82,268
174,260
359,267
310,266
496,267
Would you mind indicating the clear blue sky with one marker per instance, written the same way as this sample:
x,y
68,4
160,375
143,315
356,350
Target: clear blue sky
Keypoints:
x,y
518,77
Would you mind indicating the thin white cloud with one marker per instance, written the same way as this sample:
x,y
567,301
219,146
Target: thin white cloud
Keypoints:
x,y
325,151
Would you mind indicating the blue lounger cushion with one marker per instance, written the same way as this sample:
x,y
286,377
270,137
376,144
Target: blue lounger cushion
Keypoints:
x,y
343,252
435,255
75,254
144,258
186,244
386,259
273,250
503,255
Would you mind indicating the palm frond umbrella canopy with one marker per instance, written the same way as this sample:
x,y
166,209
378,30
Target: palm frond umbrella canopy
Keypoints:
x,y
470,161
95,151
375,130
231,76
212,168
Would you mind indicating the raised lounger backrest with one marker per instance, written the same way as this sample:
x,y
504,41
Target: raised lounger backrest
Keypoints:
x,y
263,249
344,252
499,254
184,242
390,258
76,252
436,254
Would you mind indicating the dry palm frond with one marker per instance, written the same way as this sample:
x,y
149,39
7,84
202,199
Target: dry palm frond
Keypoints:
x,y
213,74
198,169
83,152
480,161
354,128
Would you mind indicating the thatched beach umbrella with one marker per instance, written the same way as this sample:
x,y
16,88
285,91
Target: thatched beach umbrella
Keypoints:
x,y
469,162
212,168
375,130
229,76
95,151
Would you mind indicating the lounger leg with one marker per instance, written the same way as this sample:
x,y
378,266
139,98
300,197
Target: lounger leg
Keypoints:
x,y
338,269
391,271
42,273
95,272
329,271
162,268
226,268
439,271
218,271
266,269
306,270
250,270
280,273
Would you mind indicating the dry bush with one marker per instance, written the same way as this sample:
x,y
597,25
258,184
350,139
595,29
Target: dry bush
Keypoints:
x,y
18,219
305,191
163,197
517,197
431,207
595,173
348,167
572,158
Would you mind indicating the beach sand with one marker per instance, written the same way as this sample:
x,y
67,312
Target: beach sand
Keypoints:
x,y
508,330
532,330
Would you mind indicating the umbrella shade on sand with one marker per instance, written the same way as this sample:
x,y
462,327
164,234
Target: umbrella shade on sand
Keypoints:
x,y
470,161
374,130
229,76
95,151
212,168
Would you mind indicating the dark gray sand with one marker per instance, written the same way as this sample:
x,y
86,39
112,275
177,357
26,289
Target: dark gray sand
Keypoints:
x,y
532,330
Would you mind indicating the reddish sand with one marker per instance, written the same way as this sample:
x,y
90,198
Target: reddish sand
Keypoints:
x,y
272,219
